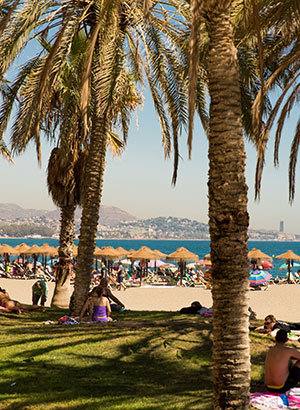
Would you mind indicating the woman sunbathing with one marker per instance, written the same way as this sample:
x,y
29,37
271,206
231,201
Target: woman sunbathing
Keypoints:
x,y
15,306
99,307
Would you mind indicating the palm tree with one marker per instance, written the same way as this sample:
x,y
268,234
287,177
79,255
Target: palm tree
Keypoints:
x,y
228,217
119,34
282,24
67,160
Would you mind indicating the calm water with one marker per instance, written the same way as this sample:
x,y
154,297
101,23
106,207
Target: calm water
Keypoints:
x,y
201,248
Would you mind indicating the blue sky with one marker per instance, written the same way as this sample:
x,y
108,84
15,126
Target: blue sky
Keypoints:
x,y
140,181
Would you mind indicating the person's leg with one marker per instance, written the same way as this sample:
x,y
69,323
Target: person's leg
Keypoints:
x,y
29,308
13,306
115,307
35,298
43,300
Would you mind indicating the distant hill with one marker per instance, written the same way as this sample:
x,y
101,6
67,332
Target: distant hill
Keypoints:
x,y
109,215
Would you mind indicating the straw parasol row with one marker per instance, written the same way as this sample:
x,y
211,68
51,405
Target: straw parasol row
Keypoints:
x,y
289,257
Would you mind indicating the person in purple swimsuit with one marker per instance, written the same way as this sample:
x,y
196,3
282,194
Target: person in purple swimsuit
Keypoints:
x,y
98,306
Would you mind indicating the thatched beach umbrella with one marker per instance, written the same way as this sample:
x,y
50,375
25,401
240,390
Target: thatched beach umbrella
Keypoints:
x,y
97,250
6,250
160,254
47,250
122,252
144,253
290,257
258,254
108,253
207,257
21,250
34,251
182,255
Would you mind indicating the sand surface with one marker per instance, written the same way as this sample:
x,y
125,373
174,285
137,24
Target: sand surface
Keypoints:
x,y
283,301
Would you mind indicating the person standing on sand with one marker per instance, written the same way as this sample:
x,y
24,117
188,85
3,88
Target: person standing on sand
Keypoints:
x,y
121,276
39,291
280,374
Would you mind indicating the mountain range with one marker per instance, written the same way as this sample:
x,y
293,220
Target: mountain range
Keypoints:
x,y
116,223
109,215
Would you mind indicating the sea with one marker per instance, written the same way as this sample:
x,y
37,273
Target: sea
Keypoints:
x,y
200,248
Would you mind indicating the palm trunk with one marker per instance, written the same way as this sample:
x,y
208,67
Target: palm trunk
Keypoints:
x,y
228,217
94,173
61,296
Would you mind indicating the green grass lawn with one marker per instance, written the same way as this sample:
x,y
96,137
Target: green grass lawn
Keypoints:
x,y
145,360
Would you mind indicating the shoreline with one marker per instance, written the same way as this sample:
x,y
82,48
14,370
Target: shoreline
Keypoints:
x,y
283,301
147,239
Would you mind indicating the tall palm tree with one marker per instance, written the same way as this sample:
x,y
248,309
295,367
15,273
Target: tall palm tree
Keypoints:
x,y
66,163
120,33
228,217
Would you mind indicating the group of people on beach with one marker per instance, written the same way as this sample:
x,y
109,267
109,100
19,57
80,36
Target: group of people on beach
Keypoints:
x,y
282,364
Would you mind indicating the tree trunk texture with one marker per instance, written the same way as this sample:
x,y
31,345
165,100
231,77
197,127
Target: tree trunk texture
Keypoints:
x,y
228,217
61,296
94,174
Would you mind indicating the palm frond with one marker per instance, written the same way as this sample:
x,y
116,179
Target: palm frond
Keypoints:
x,y
5,151
193,68
293,163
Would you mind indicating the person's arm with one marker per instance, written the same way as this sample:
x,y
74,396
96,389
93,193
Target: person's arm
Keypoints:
x,y
261,329
108,307
83,310
295,354
273,332
113,298
91,306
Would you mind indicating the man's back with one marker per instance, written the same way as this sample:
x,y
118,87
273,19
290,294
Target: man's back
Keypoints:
x,y
277,364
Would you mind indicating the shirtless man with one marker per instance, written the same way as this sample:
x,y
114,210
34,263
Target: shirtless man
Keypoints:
x,y
281,374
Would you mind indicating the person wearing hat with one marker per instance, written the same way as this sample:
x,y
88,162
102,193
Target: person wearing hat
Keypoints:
x,y
39,291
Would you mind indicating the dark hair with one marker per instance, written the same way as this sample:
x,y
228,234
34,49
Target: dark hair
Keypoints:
x,y
196,305
99,291
2,290
103,282
271,317
281,336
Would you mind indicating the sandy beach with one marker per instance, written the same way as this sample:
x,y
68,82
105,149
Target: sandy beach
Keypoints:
x,y
283,301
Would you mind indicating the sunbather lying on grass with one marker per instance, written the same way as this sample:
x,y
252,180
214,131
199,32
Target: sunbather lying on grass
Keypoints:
x,y
15,306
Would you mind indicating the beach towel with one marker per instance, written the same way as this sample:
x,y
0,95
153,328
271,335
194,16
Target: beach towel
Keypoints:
x,y
67,320
274,401
4,309
205,312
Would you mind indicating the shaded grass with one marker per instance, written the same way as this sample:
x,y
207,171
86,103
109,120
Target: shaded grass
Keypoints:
x,y
145,361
